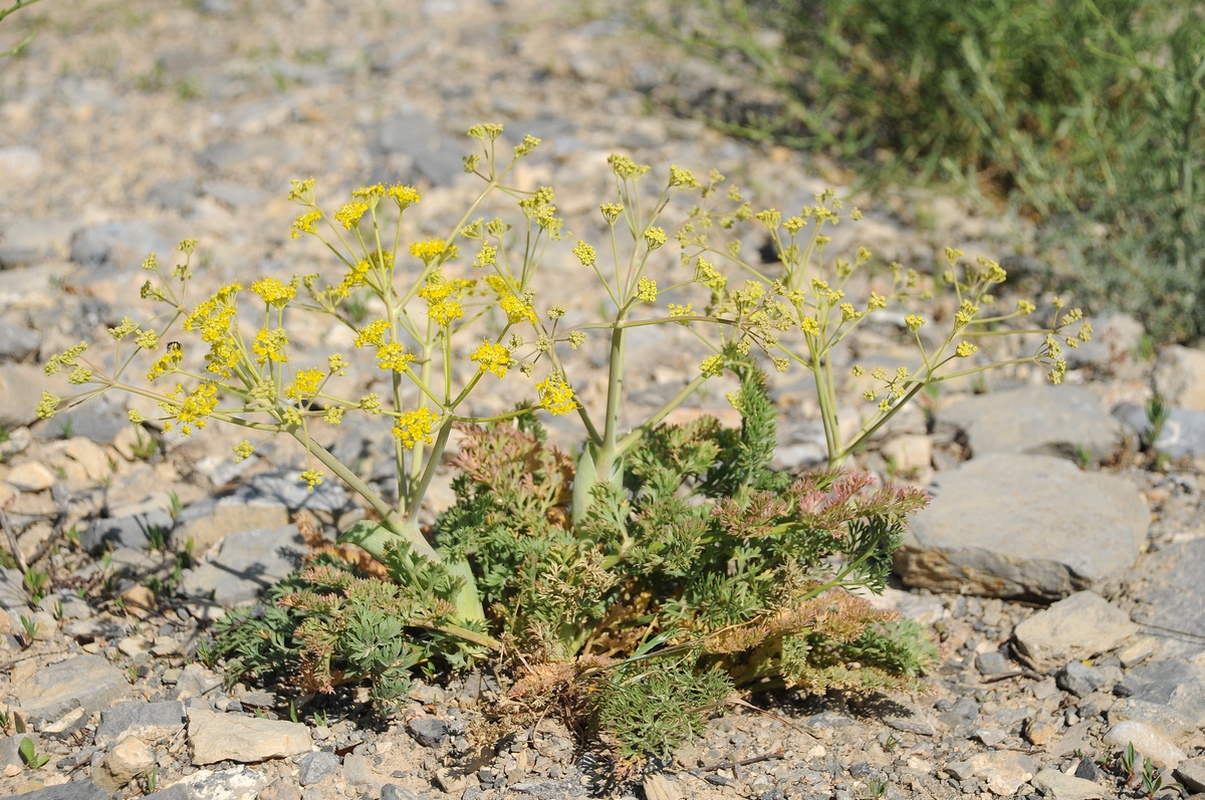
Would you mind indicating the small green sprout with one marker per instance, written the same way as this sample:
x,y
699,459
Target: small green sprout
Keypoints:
x,y
30,755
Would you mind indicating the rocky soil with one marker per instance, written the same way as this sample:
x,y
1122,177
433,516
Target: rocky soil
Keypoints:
x,y
1059,564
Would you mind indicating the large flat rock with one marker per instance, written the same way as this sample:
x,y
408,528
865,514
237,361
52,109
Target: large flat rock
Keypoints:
x,y
218,737
88,682
1025,527
1064,421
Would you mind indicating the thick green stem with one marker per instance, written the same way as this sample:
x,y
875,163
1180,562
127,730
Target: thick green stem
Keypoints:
x,y
468,601
598,462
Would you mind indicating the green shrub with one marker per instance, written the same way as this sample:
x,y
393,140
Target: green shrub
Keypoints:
x,y
1086,115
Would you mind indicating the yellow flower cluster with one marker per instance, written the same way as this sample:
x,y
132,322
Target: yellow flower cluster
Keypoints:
x,y
646,289
585,253
556,396
196,406
430,249
393,356
493,358
275,292
350,214
305,384
372,334
443,298
516,309
416,426
311,478
305,223
65,359
243,450
269,345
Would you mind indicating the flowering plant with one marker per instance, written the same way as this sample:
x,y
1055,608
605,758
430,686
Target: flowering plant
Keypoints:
x,y
566,555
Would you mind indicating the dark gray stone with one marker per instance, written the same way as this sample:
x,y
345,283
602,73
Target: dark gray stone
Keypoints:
x,y
993,663
75,790
1173,683
1087,770
432,153
1059,421
90,682
1080,679
1183,433
248,563
1023,526
1191,773
1170,596
391,791
428,731
115,247
17,342
316,766
131,531
150,722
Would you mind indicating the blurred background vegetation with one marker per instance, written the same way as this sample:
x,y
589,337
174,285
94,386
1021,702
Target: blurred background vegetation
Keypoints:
x,y
1084,115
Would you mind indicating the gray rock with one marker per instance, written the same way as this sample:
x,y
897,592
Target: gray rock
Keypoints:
x,y
196,681
1182,435
115,247
17,342
88,682
1056,785
75,790
218,737
1173,723
208,521
35,240
316,766
1039,420
1082,626
12,591
248,563
1116,338
238,783
1174,683
282,488
99,420
993,663
430,152
21,387
131,531
1080,679
1179,377
1191,773
428,731
357,770
1022,526
175,195
1170,596
150,722
1147,741
391,791
1088,770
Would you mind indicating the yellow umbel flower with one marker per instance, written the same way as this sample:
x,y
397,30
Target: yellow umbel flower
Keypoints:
x,y
516,310
491,357
269,345
305,384
312,478
372,334
414,427
393,356
305,223
275,292
556,396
